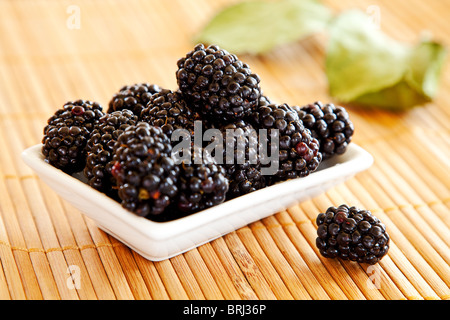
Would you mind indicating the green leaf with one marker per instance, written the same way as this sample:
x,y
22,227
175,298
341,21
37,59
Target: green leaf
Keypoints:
x,y
425,66
256,27
366,67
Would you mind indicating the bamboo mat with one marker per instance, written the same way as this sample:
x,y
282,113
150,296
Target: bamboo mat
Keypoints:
x,y
44,63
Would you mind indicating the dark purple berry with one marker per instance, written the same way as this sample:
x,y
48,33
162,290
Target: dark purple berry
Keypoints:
x,y
329,124
351,234
67,132
144,171
133,97
218,84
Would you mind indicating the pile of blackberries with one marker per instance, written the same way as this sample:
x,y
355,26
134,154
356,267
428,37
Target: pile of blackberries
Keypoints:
x,y
126,150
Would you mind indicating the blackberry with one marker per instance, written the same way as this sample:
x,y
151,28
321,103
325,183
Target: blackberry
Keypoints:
x,y
67,132
145,173
244,172
240,158
201,186
351,234
100,146
133,97
218,84
330,125
168,109
298,151
245,179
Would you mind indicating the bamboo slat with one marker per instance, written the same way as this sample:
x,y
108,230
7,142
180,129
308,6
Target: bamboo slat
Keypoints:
x,y
171,281
218,272
232,268
50,251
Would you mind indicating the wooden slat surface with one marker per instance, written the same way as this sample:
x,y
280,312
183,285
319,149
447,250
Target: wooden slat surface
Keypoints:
x,y
43,64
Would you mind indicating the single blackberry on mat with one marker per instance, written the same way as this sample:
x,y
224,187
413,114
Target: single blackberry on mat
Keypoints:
x,y
219,85
168,109
67,132
145,173
133,97
201,186
351,234
329,124
100,146
298,151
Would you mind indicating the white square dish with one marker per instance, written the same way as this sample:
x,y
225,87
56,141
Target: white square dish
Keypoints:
x,y
161,240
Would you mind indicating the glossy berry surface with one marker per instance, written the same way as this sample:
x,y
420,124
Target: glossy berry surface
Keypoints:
x,y
133,97
201,186
99,148
168,110
67,132
298,151
220,85
330,125
241,160
145,173
351,234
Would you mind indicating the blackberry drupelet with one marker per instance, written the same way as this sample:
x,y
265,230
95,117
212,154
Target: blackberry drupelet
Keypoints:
x,y
264,101
133,97
100,146
330,125
168,109
67,132
298,151
217,83
351,234
201,186
145,173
